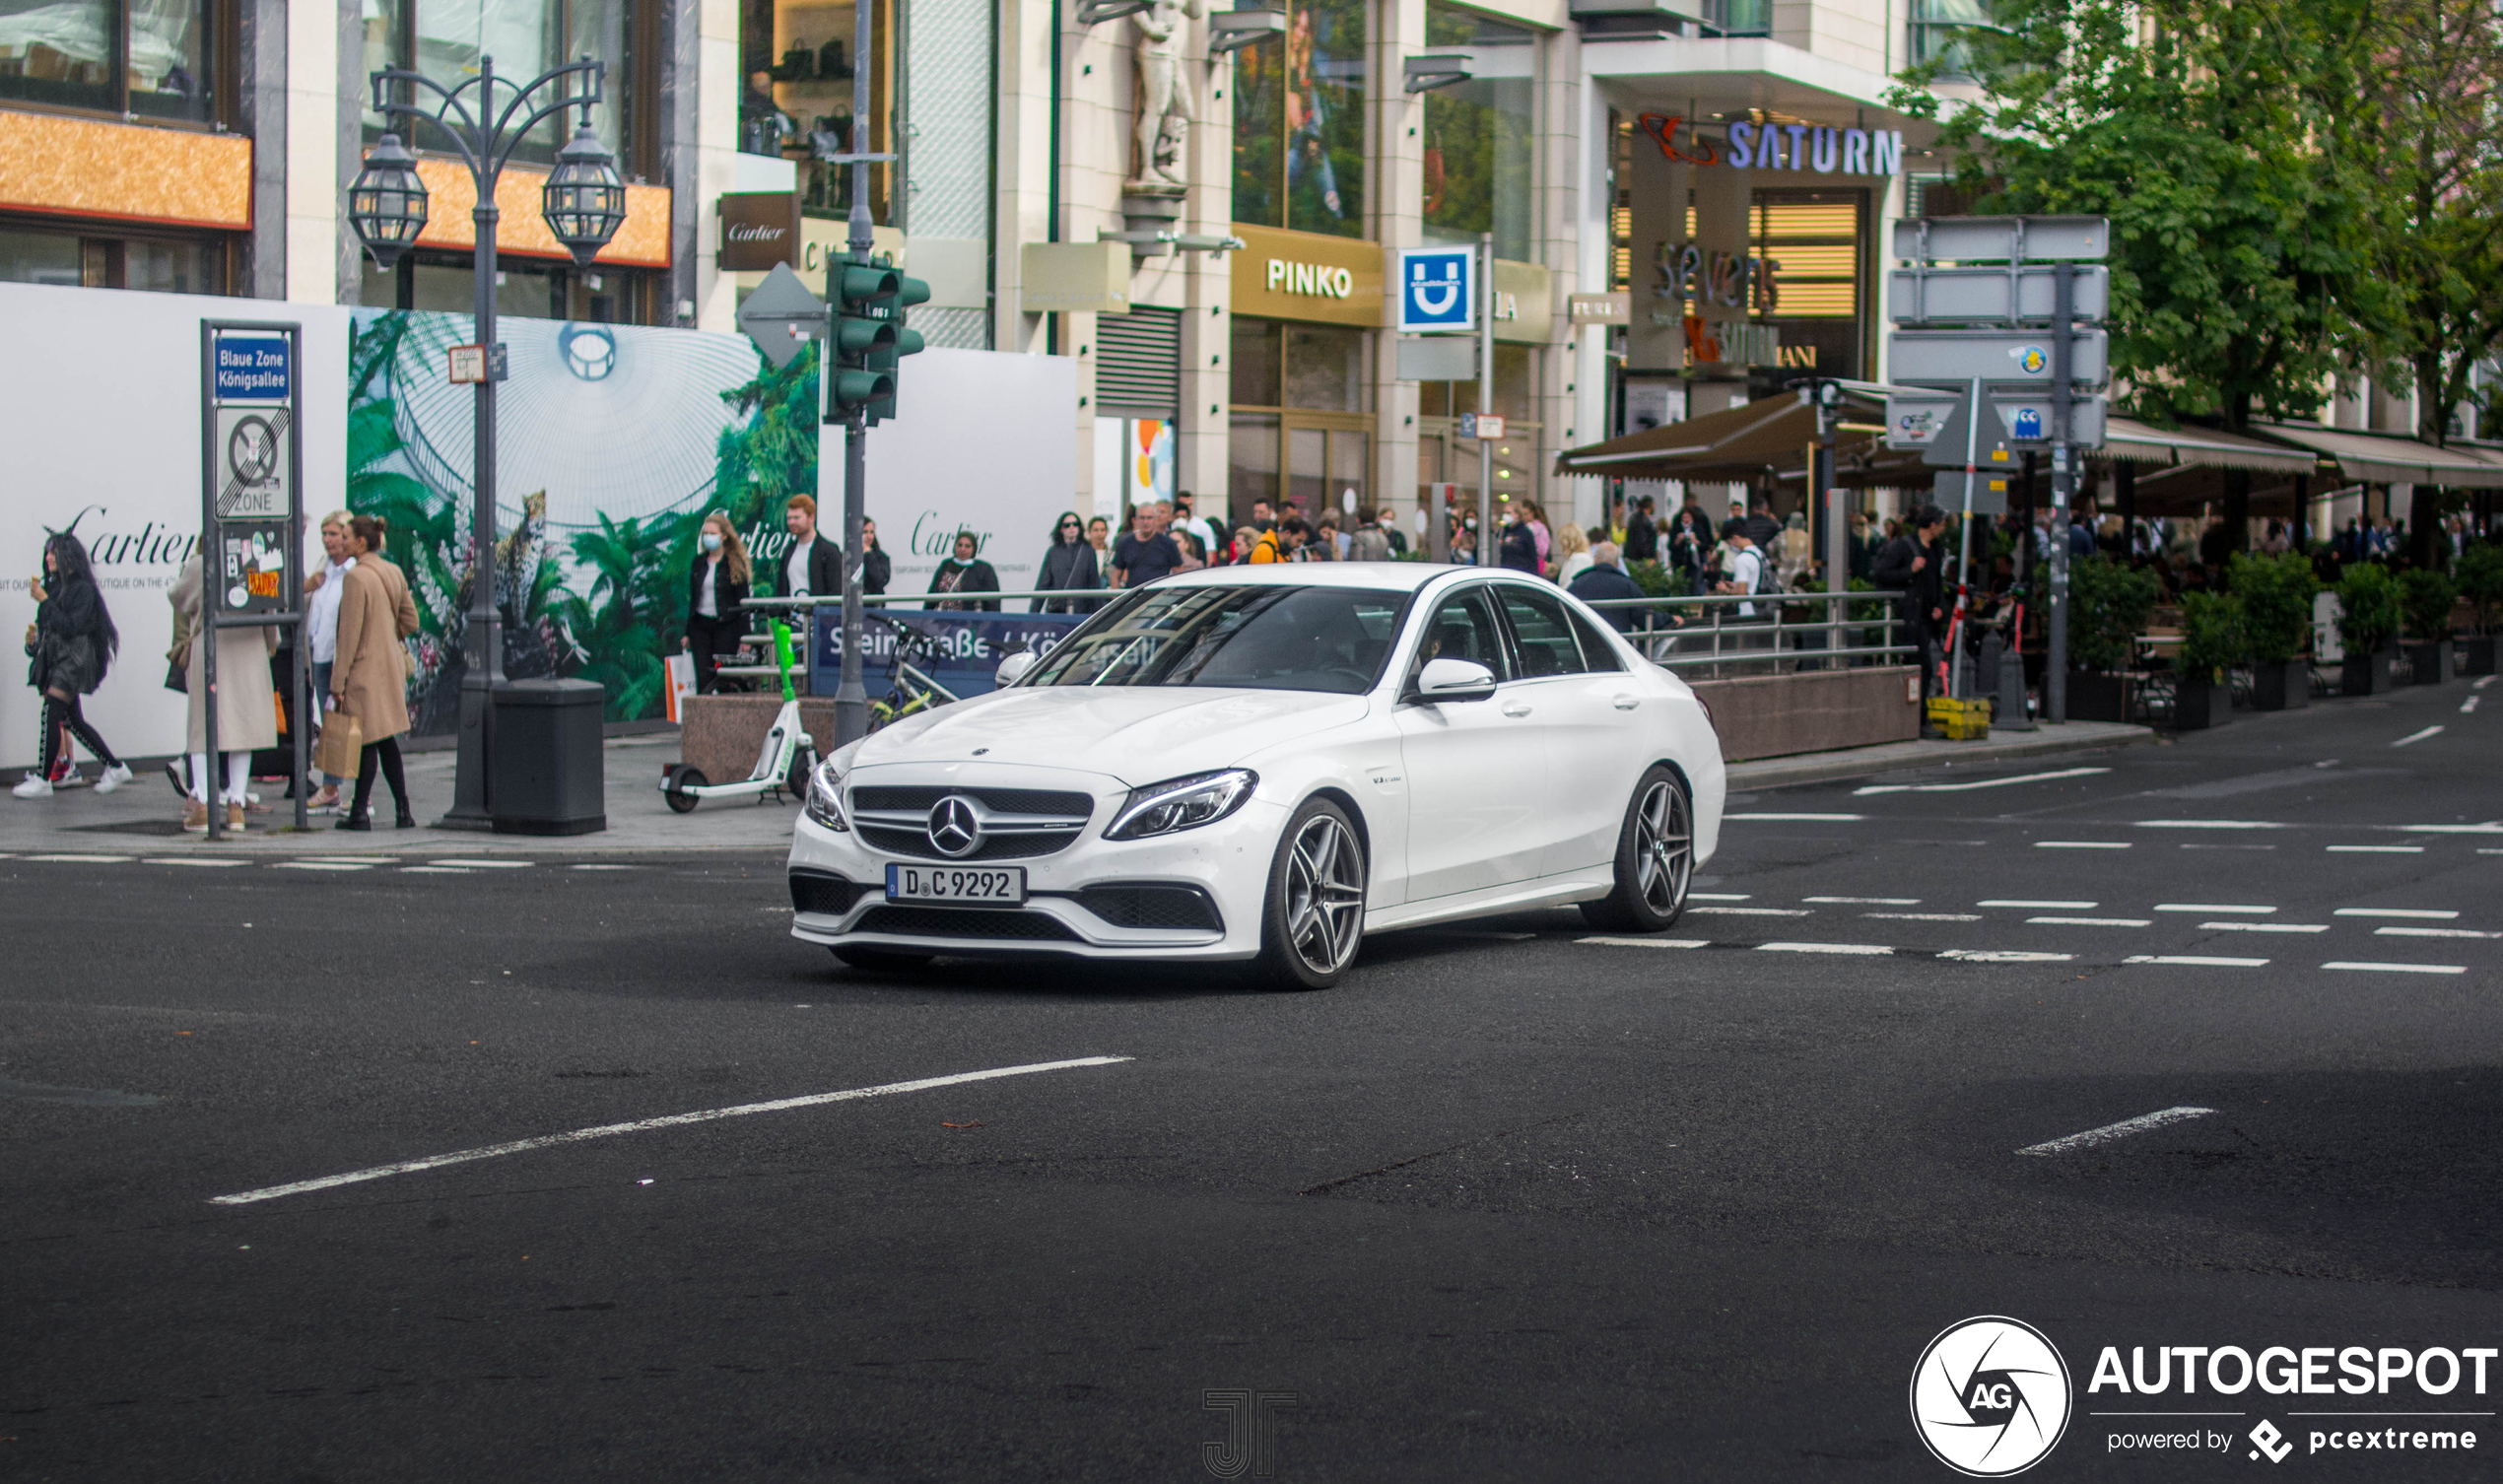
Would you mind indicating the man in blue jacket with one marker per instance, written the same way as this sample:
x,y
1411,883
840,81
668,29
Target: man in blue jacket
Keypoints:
x,y
1604,580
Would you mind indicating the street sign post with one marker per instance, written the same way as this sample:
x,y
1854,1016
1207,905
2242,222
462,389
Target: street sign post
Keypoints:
x,y
1438,290
252,520
2015,358
1915,419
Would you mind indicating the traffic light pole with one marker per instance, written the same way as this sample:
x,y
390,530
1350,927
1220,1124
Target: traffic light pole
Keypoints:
x,y
2064,306
851,698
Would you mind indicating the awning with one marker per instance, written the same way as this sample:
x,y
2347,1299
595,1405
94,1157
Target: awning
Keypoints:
x,y
2387,459
1766,439
2139,442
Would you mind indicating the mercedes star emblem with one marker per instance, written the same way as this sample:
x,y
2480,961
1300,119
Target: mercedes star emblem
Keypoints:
x,y
955,832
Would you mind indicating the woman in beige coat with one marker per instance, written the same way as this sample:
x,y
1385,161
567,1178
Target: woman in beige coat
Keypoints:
x,y
369,680
247,702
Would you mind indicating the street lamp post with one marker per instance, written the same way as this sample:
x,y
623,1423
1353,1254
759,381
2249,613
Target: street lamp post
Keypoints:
x,y
583,203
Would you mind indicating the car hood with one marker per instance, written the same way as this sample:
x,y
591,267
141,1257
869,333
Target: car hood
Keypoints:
x,y
1137,734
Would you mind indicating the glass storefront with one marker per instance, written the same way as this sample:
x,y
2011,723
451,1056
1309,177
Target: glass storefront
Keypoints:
x,y
1820,239
77,259
1300,427
1446,458
1299,123
1481,136
524,289
153,58
798,72
445,38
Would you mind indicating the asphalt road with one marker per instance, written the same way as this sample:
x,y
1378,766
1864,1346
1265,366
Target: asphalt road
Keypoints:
x,y
1508,1204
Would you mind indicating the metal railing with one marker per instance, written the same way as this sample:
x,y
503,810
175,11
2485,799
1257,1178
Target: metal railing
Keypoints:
x,y
1775,640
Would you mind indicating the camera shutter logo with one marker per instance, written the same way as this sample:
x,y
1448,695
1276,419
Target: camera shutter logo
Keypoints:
x,y
955,831
1991,1396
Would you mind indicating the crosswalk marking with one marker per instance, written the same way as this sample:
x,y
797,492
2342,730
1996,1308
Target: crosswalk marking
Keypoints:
x,y
1872,950
2092,921
2434,913
2209,907
2398,968
2263,927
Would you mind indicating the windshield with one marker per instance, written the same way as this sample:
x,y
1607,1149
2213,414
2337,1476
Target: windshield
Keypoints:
x,y
1263,638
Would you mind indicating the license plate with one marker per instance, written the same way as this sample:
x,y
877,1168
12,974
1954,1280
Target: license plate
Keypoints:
x,y
981,886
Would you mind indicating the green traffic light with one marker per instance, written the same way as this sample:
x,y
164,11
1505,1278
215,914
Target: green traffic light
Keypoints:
x,y
860,285
856,337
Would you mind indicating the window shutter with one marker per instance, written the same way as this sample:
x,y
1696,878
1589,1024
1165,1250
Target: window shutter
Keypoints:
x,y
1138,364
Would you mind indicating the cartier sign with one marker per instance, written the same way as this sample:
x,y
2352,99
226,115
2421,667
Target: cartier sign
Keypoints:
x,y
758,228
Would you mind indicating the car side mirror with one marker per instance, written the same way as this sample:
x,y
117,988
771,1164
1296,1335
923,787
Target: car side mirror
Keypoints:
x,y
1013,668
1455,680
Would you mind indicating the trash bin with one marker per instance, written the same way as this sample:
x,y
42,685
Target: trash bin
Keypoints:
x,y
547,775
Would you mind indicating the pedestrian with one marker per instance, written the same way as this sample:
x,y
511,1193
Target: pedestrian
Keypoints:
x,y
1245,538
1535,518
1187,518
1280,542
1145,553
1743,571
716,585
1519,548
814,564
1263,516
1603,580
1099,536
875,565
1368,542
246,701
370,680
1386,520
1642,538
1067,561
1573,555
71,644
1797,558
1323,547
322,592
1863,548
1909,565
965,571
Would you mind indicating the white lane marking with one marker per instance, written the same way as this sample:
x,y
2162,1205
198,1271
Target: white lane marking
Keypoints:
x,y
2398,968
1647,942
1719,896
2029,901
2376,849
2211,907
1928,916
195,860
320,865
2195,960
1873,950
2143,1124
2411,737
601,867
2433,933
2481,851
2094,921
2434,913
489,865
1815,818
2490,827
1868,901
438,871
2030,777
2469,705
2081,845
1755,911
641,1125
2004,956
2209,824
2263,927
81,860
2482,684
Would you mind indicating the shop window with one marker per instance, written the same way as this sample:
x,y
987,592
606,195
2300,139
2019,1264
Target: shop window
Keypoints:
x,y
41,257
153,58
445,38
169,264
524,289
1444,456
1326,368
1936,32
1259,374
798,75
1481,136
1738,17
1251,463
1299,123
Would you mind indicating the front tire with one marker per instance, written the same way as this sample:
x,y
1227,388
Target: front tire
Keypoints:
x,y
682,779
1314,918
882,960
1655,858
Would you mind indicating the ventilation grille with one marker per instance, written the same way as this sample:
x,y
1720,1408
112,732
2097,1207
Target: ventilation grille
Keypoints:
x,y
1138,364
955,922
1170,908
829,896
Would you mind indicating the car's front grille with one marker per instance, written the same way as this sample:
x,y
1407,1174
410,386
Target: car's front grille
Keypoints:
x,y
1151,906
822,893
1017,823
916,844
963,922
996,800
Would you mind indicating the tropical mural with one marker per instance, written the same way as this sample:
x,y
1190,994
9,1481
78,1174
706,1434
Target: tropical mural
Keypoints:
x,y
614,442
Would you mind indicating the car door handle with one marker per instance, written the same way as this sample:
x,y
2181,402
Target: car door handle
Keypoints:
x,y
1627,703
1516,709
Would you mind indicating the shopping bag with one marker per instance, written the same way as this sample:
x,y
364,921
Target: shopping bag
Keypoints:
x,y
681,680
342,745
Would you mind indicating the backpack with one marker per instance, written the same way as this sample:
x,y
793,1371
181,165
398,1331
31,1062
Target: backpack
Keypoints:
x,y
1768,578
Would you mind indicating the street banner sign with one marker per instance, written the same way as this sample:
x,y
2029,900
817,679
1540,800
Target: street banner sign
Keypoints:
x,y
1439,358
782,316
1995,357
2003,240
1438,290
2013,295
1913,420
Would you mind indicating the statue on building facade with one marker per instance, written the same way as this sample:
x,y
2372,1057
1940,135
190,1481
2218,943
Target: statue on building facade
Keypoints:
x,y
1164,98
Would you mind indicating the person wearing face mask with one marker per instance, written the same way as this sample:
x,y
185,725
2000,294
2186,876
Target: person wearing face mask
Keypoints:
x,y
716,587
1068,562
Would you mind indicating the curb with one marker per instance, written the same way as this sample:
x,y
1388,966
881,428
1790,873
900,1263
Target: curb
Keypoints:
x,y
1895,757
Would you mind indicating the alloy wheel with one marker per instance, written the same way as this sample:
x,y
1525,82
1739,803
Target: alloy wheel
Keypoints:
x,y
1664,848
1325,895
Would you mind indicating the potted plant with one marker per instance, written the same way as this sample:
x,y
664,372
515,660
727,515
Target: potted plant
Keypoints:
x,y
2276,625
2213,644
2368,627
2108,607
2479,574
2426,597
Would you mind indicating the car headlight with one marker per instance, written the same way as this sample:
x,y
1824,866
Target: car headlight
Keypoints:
x,y
825,796
1202,798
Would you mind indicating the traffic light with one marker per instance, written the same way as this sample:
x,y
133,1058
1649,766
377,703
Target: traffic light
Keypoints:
x,y
861,348
905,293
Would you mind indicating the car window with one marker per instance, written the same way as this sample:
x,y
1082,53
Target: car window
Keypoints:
x,y
1462,627
1541,633
1252,638
1597,654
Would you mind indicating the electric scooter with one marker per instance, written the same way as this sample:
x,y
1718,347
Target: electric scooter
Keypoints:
x,y
782,764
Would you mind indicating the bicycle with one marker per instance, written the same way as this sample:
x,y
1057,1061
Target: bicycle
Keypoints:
x,y
911,689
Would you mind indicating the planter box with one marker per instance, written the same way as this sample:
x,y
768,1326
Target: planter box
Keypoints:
x,y
2199,705
2368,674
2095,697
2476,656
2429,664
2281,686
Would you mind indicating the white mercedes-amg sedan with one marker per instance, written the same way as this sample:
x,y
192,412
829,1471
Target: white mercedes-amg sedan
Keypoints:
x,y
1262,765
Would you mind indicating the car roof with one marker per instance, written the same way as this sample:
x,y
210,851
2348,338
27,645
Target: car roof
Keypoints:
x,y
1398,576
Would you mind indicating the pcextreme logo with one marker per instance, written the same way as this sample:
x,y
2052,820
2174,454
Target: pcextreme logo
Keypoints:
x,y
1991,1396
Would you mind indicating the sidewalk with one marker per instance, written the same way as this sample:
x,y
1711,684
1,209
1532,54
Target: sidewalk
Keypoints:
x,y
146,816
